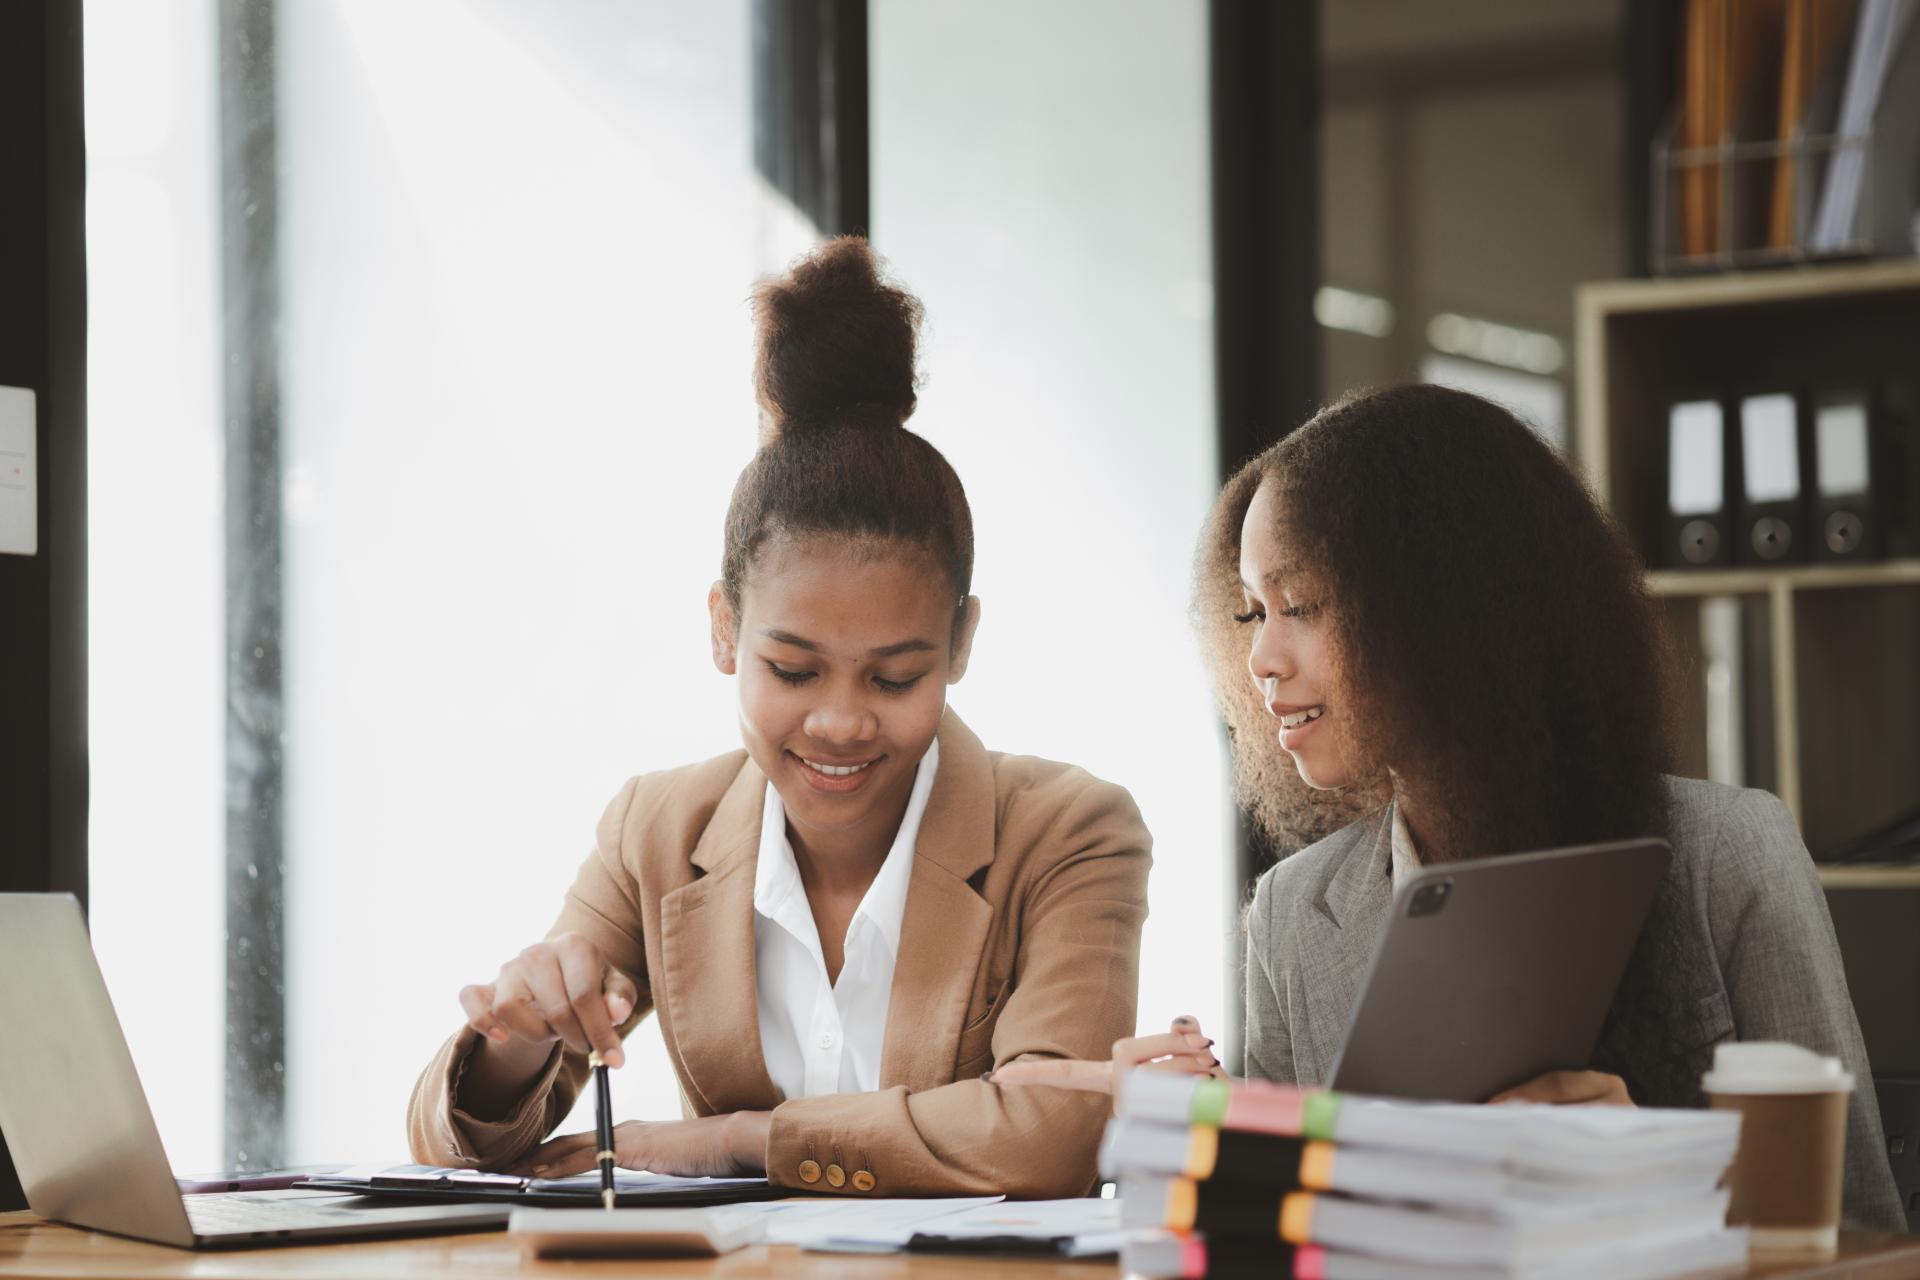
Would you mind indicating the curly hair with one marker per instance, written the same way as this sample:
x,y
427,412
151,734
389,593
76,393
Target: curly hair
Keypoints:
x,y
1286,813
1492,634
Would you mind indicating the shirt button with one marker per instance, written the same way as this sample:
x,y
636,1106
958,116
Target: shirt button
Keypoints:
x,y
809,1171
836,1176
862,1180
826,1040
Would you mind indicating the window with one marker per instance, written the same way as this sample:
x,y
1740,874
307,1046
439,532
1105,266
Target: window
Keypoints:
x,y
512,249
1040,177
154,551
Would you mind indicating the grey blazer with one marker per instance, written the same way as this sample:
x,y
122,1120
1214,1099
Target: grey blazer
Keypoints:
x,y
1738,945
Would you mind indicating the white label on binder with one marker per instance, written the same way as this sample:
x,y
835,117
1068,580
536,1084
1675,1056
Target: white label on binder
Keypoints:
x,y
1840,439
1770,448
1694,466
19,509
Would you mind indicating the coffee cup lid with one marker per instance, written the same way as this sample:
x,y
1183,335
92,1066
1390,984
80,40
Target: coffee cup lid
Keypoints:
x,y
1774,1066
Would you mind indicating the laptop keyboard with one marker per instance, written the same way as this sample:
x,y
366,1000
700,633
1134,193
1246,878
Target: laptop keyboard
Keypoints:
x,y
222,1214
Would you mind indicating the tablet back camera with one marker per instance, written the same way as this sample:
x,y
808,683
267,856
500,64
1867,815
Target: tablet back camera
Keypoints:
x,y
1430,899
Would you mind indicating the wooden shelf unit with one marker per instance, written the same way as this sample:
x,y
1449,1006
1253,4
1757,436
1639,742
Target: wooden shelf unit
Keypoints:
x,y
1842,641
1810,577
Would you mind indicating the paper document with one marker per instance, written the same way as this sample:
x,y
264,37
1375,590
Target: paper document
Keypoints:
x,y
1063,1228
807,1222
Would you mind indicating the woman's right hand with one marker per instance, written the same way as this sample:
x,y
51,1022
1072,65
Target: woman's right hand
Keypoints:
x,y
560,989
1182,1048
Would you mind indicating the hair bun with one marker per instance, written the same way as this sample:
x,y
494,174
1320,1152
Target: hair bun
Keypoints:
x,y
835,341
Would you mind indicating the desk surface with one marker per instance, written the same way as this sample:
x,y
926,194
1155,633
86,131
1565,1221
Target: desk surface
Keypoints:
x,y
31,1247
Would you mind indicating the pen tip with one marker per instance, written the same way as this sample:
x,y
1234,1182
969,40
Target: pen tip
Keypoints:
x,y
606,1198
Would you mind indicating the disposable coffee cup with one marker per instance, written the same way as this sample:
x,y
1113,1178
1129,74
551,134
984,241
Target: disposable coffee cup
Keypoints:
x,y
1785,1180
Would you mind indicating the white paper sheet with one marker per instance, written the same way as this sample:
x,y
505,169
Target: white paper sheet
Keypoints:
x,y
807,1222
1091,1226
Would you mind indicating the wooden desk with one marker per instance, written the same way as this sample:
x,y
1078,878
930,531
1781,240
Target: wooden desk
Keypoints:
x,y
31,1247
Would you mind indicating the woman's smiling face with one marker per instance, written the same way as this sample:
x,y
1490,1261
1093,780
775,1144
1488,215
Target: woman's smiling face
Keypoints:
x,y
1291,656
844,654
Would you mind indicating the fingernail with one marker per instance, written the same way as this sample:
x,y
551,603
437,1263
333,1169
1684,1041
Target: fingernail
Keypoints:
x,y
614,1058
498,1035
987,1075
1183,1021
539,1169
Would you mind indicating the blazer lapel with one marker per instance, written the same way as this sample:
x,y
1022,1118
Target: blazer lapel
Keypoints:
x,y
1339,929
943,934
706,949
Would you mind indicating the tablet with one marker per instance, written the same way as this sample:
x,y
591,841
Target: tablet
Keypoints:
x,y
1497,970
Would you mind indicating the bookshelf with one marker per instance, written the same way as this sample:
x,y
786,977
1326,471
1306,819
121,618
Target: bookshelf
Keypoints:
x,y
1831,692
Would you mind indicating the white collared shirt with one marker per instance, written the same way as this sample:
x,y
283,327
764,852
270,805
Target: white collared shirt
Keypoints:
x,y
819,1036
1406,858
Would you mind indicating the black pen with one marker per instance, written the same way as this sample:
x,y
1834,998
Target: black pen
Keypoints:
x,y
603,1124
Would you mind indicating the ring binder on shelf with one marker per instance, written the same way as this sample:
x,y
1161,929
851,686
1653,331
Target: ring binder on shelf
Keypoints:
x,y
1897,488
1791,137
1771,509
1878,116
1843,527
1697,516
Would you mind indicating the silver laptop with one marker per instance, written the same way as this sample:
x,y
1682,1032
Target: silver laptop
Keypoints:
x,y
82,1137
1494,971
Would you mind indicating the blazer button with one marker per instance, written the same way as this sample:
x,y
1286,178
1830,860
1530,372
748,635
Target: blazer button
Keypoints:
x,y
862,1180
836,1176
809,1171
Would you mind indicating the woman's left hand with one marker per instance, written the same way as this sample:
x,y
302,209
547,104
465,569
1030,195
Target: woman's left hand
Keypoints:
x,y
1184,1049
732,1145
1563,1088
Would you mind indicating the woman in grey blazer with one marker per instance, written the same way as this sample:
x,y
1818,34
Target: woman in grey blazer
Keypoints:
x,y
1458,653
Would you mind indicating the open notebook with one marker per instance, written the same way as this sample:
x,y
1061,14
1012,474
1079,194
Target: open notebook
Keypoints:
x,y
632,1189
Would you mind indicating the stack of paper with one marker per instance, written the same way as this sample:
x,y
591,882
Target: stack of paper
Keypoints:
x,y
1224,1178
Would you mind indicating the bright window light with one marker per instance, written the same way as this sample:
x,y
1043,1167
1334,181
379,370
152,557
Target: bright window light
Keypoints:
x,y
1048,198
1352,312
1500,344
156,700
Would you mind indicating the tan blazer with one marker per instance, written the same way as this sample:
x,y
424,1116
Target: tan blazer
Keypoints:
x,y
1021,939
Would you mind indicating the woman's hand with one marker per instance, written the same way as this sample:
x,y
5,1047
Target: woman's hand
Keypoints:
x,y
562,989
710,1147
1563,1088
1183,1048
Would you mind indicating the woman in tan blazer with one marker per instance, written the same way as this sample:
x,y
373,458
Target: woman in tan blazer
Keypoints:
x,y
844,926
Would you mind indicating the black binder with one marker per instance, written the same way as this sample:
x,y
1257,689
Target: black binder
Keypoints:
x,y
1844,521
1699,522
1772,521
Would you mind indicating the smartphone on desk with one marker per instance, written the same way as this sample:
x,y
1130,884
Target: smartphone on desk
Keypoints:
x,y
257,1180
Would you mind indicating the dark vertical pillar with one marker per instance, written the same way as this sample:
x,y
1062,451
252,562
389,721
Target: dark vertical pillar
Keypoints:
x,y
256,1004
1649,57
43,348
1266,219
810,135
1265,73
